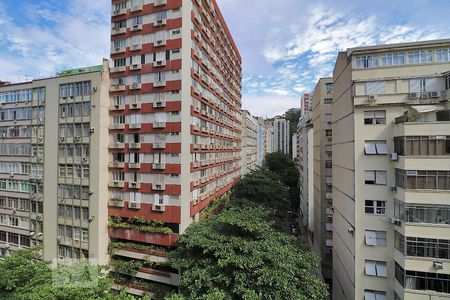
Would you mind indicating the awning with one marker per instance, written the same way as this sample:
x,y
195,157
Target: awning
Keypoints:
x,y
428,108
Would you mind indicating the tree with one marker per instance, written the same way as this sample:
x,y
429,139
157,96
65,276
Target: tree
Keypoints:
x,y
238,254
25,276
282,165
262,187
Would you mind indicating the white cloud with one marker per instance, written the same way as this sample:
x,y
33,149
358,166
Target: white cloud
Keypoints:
x,y
269,105
46,40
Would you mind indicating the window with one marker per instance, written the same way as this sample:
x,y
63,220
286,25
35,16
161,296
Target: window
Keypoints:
x,y
328,164
376,268
120,62
422,145
376,117
420,57
422,213
375,238
328,87
375,177
392,59
375,147
368,61
420,180
422,281
447,82
423,85
375,87
374,295
443,55
328,118
327,100
375,207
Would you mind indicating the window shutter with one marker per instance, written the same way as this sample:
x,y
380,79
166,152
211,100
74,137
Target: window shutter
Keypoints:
x,y
381,177
370,268
369,148
381,148
381,269
371,238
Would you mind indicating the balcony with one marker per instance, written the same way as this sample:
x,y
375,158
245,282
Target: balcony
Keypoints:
x,y
117,145
135,86
117,164
116,31
158,166
134,145
134,126
117,69
117,184
158,186
159,125
134,185
168,240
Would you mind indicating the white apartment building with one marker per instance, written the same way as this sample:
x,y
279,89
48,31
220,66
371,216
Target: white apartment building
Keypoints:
x,y
391,172
281,135
323,203
53,166
249,142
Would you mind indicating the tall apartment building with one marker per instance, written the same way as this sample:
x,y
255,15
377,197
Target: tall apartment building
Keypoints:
x,y
53,188
261,141
249,142
323,213
391,179
269,146
305,163
175,112
281,135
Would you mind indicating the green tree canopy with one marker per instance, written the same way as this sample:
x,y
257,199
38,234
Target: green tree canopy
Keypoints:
x,y
238,254
282,165
262,187
25,277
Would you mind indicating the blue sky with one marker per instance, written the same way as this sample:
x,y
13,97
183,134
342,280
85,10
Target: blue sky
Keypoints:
x,y
286,45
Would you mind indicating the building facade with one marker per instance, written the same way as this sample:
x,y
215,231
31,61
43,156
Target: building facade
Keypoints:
x,y
250,140
391,162
322,156
175,133
281,135
269,139
305,163
53,135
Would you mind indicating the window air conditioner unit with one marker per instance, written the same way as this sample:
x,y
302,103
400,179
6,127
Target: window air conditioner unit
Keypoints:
x,y
413,96
91,130
373,98
423,96
438,265
158,207
395,221
393,157
433,94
